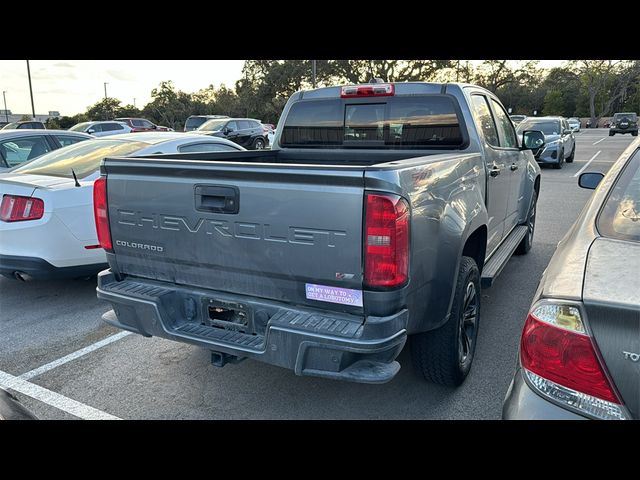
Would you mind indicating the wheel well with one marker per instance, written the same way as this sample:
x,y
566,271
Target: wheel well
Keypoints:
x,y
536,186
476,246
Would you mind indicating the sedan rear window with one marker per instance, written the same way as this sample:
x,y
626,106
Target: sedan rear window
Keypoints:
x,y
620,216
84,158
418,122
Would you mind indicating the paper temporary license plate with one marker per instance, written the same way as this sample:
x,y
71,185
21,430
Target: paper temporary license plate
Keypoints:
x,y
325,293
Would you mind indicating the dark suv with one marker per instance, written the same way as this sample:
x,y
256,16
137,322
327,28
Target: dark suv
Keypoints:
x,y
194,121
624,123
247,132
29,124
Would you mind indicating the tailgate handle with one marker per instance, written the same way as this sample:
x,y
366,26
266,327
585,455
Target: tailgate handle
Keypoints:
x,y
217,199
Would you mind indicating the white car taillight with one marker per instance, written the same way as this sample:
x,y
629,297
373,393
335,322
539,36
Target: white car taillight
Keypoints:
x,y
16,208
561,362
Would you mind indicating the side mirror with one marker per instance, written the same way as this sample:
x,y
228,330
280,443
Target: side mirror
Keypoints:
x,y
91,130
533,140
154,127
566,131
590,180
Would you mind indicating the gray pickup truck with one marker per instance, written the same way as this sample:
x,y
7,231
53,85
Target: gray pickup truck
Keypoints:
x,y
379,213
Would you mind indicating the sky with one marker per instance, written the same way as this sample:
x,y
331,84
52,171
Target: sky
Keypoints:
x,y
70,86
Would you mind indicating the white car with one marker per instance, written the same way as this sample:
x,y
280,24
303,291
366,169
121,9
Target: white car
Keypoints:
x,y
101,129
574,124
47,228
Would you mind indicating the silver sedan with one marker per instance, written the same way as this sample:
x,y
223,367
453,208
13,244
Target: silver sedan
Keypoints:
x,y
580,346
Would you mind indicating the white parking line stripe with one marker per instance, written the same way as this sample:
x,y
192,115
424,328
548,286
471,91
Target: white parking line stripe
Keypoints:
x,y
587,164
72,356
595,143
54,399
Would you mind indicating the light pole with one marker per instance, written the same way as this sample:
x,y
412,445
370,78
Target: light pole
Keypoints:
x,y
134,102
105,90
6,112
313,71
33,109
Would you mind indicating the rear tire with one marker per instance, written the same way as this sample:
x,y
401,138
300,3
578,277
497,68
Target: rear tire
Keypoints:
x,y
258,144
527,241
635,134
573,155
445,355
611,134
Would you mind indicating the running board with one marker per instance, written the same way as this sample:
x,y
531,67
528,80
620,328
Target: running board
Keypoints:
x,y
500,258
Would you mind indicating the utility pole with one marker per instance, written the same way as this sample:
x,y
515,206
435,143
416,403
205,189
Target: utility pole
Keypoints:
x,y
105,90
6,112
313,71
134,101
33,109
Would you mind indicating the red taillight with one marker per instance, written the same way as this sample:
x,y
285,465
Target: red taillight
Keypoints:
x,y
374,90
15,208
564,357
101,213
386,241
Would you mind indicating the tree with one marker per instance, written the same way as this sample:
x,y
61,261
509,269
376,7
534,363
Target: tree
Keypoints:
x,y
553,103
168,106
105,109
495,74
563,87
128,111
607,83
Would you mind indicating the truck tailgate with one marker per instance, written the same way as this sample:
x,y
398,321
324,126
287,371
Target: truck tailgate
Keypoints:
x,y
262,230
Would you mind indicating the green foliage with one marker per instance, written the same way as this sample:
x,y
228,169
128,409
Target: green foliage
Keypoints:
x,y
105,109
553,103
580,88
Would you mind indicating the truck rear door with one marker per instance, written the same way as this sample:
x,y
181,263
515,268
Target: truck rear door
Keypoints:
x,y
269,231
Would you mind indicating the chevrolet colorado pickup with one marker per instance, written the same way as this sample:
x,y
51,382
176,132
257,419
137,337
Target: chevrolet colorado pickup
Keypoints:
x,y
379,213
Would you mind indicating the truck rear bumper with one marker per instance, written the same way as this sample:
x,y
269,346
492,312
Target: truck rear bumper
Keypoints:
x,y
310,342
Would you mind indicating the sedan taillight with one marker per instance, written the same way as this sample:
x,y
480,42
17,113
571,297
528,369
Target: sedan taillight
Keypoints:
x,y
561,362
15,208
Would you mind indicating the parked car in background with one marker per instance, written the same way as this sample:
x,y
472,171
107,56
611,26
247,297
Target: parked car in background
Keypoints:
x,y
142,125
194,121
19,146
624,123
580,346
46,215
560,144
247,132
516,119
574,124
101,129
28,124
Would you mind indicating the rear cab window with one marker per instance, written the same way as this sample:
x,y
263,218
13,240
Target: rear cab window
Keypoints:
x,y
620,214
412,121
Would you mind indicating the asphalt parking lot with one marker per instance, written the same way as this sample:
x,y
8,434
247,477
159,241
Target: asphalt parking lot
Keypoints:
x,y
64,363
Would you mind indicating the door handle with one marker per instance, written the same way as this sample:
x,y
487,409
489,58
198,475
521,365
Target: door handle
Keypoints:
x,y
514,167
217,199
494,171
